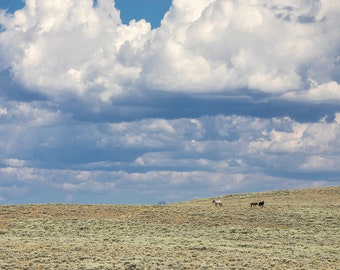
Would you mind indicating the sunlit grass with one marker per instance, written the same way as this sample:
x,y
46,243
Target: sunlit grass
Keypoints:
x,y
295,230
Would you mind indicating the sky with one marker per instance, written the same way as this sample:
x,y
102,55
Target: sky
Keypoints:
x,y
136,102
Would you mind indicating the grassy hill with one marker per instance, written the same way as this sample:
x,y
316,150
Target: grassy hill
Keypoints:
x,y
296,229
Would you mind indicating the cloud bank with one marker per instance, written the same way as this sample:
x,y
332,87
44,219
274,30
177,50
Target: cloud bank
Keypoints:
x,y
225,96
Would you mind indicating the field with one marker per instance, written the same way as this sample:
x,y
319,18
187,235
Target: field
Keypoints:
x,y
296,229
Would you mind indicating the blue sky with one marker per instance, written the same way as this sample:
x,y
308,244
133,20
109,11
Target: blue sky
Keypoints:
x,y
150,10
200,99
11,5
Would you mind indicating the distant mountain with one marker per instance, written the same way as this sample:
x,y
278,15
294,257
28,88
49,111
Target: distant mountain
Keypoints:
x,y
162,203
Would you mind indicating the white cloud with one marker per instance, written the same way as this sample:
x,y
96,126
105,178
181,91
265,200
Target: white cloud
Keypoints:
x,y
319,163
22,174
69,198
306,138
328,92
223,95
13,162
71,48
33,115
12,192
227,45
75,49
84,175
89,186
3,111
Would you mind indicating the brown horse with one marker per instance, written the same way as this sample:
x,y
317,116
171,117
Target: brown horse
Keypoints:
x,y
253,204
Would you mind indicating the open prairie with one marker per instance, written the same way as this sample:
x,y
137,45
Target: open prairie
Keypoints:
x,y
296,229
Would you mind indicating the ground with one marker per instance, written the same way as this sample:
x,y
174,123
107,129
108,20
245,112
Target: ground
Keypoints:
x,y
296,229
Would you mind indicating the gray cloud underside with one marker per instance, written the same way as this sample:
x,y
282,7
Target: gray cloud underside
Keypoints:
x,y
171,159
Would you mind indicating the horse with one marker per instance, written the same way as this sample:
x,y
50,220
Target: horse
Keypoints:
x,y
253,204
261,204
217,202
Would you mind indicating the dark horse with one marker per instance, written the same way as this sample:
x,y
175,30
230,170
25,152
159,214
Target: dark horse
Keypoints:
x,y
261,204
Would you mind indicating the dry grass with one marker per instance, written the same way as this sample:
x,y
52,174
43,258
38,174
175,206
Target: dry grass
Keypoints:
x,y
296,229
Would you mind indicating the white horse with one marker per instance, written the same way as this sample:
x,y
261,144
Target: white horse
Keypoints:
x,y
217,202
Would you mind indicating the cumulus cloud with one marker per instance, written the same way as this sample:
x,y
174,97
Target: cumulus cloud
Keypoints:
x,y
224,45
326,93
71,48
12,162
77,49
223,95
320,163
207,155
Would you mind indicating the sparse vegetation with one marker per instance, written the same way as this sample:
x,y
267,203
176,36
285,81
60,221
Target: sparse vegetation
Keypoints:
x,y
297,229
